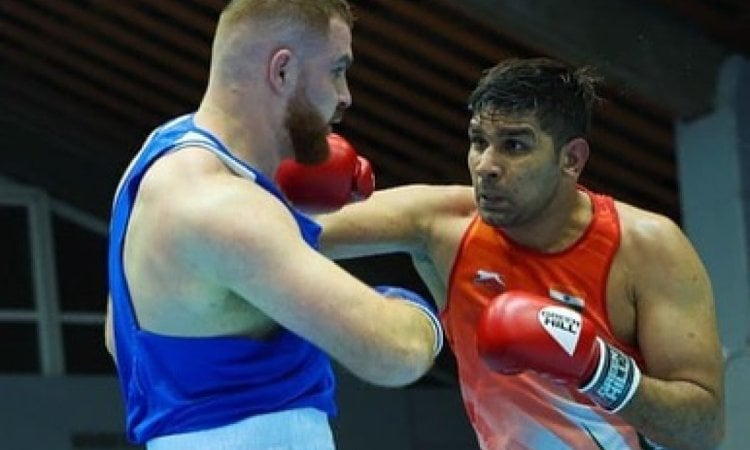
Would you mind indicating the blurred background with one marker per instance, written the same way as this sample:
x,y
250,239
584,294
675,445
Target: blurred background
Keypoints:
x,y
84,82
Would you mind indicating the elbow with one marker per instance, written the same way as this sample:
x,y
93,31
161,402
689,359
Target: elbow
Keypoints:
x,y
717,433
415,361
711,441
402,354
418,352
406,364
711,438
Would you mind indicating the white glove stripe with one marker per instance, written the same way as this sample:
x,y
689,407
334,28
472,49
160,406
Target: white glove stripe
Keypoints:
x,y
615,380
437,328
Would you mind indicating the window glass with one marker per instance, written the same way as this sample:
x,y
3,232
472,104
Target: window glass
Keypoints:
x,y
81,259
19,347
16,288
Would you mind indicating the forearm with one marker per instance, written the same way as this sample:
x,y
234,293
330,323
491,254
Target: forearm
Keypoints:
x,y
387,222
401,349
676,414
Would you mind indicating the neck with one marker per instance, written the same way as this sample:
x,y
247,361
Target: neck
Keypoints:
x,y
558,225
247,133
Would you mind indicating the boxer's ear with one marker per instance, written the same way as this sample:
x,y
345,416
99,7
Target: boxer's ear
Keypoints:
x,y
280,67
573,156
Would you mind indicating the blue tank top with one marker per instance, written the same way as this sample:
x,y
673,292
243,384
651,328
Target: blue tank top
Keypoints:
x,y
174,384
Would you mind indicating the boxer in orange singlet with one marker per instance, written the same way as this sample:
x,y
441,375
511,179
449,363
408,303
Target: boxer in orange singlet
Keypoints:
x,y
577,321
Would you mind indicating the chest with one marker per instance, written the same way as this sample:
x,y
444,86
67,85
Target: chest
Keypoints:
x,y
590,277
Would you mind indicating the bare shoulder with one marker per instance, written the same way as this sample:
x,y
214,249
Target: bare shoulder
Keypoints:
x,y
648,232
198,202
195,226
657,252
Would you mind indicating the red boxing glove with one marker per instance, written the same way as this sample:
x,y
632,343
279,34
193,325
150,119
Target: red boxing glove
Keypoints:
x,y
342,178
519,330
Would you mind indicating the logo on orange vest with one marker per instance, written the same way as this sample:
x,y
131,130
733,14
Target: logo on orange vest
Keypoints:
x,y
492,281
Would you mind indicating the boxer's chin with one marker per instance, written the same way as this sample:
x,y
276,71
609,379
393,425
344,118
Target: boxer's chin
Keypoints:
x,y
307,131
311,148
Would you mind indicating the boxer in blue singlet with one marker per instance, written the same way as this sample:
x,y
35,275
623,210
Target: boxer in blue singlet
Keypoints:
x,y
222,314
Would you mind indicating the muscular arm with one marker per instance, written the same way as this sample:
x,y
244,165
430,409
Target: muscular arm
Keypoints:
x,y
257,253
398,219
426,221
679,403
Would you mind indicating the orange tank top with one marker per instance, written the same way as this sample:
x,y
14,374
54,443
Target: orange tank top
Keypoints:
x,y
526,411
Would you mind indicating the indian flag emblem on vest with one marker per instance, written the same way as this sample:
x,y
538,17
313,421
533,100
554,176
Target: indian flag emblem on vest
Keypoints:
x,y
571,300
